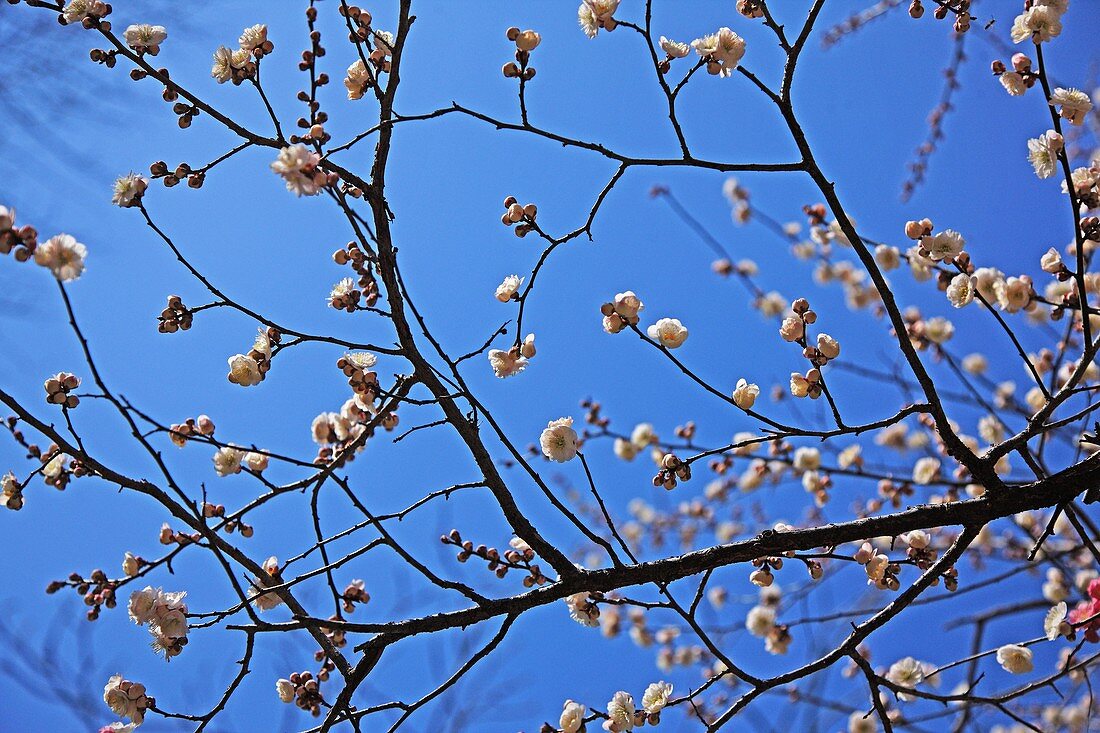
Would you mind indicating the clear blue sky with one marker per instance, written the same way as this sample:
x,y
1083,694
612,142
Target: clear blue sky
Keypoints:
x,y
71,127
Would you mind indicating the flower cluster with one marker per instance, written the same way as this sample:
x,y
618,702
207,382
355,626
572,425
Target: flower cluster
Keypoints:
x,y
238,65
621,312
761,621
202,425
622,713
166,615
597,15
510,362
250,369
671,468
270,577
303,690
348,293
583,608
721,51
526,42
961,8
1020,78
521,216
11,492
127,699
22,240
59,390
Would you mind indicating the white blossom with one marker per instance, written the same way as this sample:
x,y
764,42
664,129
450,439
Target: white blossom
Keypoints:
x,y
1015,659
669,332
559,440
63,256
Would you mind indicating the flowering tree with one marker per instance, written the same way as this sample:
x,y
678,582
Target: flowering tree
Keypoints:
x,y
946,514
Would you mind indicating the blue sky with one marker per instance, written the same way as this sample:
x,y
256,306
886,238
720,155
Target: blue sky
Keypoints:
x,y
72,127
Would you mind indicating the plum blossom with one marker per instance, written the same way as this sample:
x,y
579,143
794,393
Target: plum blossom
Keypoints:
x,y
145,38
126,699
1040,23
656,696
669,332
298,165
960,291
572,717
744,396
1075,104
722,51
63,256
1013,83
926,470
674,49
506,363
559,440
266,601
244,370
945,245
1015,659
596,14
285,690
12,492
1052,622
907,672
508,287
358,79
227,460
1042,152
620,713
128,190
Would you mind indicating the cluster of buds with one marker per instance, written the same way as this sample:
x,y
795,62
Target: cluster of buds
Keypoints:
x,y
56,468
522,216
363,382
919,550
355,592
172,178
339,639
621,312
519,557
97,590
315,132
106,56
303,690
526,42
892,491
686,431
951,579
169,536
961,8
89,14
672,468
355,258
738,197
593,416
751,8
22,240
1090,225
210,511
175,316
185,113
59,390
762,576
202,425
